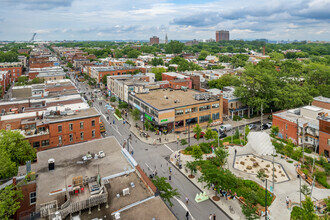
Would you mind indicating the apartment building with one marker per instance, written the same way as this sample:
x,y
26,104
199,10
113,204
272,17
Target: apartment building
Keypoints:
x,y
15,70
99,72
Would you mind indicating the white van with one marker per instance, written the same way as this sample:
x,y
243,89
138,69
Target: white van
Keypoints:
x,y
225,128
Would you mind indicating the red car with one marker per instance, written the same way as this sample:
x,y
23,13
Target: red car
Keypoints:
x,y
201,136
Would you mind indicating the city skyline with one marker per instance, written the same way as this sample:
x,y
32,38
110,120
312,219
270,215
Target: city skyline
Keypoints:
x,y
181,20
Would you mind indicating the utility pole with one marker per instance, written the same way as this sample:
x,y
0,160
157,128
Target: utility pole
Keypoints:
x,y
219,137
266,201
312,186
189,134
303,142
314,159
300,188
273,171
261,118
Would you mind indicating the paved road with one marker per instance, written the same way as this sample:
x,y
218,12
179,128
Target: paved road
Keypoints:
x,y
153,157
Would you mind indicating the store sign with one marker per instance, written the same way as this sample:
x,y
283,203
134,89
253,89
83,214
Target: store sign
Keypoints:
x,y
164,120
148,117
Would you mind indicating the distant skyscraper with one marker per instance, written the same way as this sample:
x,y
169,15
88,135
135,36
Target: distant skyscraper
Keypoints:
x,y
166,39
154,40
221,35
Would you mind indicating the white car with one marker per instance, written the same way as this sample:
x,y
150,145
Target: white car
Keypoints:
x,y
269,124
101,154
87,157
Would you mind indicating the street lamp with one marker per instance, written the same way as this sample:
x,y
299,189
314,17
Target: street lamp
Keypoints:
x,y
265,199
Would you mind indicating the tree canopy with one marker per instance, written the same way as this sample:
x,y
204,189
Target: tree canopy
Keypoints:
x,y
14,150
174,47
9,201
166,191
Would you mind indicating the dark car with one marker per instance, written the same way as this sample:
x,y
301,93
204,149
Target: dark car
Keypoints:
x,y
201,136
221,134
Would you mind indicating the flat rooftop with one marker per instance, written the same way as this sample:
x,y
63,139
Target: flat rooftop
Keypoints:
x,y
84,113
156,98
66,166
322,99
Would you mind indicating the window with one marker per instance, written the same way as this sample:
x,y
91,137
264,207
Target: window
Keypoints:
x,y
286,126
179,112
70,127
286,136
191,121
179,124
203,108
60,140
215,105
328,141
306,138
59,128
71,137
93,123
44,143
33,198
36,144
93,133
215,116
188,110
81,135
81,125
204,118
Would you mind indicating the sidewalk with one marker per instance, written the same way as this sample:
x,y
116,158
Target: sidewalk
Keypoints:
x,y
278,208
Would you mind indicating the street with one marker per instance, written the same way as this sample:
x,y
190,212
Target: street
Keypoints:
x,y
154,157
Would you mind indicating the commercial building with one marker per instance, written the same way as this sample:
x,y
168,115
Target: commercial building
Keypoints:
x,y
221,35
78,63
176,110
99,72
47,73
154,40
321,102
66,185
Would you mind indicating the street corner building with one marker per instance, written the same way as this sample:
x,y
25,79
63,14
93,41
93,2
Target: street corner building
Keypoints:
x,y
178,110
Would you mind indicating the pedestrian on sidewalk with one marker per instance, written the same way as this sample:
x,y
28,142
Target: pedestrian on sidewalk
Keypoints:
x,y
187,200
210,217
214,217
235,151
187,215
287,201
160,140
113,121
169,177
170,169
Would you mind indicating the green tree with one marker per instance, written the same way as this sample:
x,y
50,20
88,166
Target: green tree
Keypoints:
x,y
198,131
166,191
209,134
136,114
9,202
22,79
69,64
14,146
197,152
275,130
123,105
247,131
37,80
203,54
130,62
8,168
133,54
225,80
249,211
308,209
157,61
118,113
174,47
113,99
158,73
276,56
305,190
221,155
192,166
105,79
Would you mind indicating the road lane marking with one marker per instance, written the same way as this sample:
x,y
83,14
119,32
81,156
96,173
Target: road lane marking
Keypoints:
x,y
184,206
168,148
116,130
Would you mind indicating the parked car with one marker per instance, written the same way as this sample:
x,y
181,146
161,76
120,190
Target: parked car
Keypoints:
x,y
267,126
221,133
87,157
101,154
252,126
201,136
270,124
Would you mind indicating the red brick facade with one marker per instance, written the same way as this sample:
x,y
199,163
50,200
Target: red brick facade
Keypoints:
x,y
13,72
320,104
41,65
177,84
114,73
287,129
324,137
27,208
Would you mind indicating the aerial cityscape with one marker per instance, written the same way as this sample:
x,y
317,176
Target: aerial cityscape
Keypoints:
x,y
161,110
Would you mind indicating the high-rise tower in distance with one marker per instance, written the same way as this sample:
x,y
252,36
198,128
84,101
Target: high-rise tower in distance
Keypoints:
x,y
221,35
166,39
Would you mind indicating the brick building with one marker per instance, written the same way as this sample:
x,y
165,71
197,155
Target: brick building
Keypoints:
x,y
14,69
4,81
180,83
324,138
221,35
98,72
28,202
154,40
321,102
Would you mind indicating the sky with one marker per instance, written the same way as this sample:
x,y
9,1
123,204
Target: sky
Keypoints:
x,y
180,19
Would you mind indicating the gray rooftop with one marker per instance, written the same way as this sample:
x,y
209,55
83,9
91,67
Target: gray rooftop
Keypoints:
x,y
322,99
